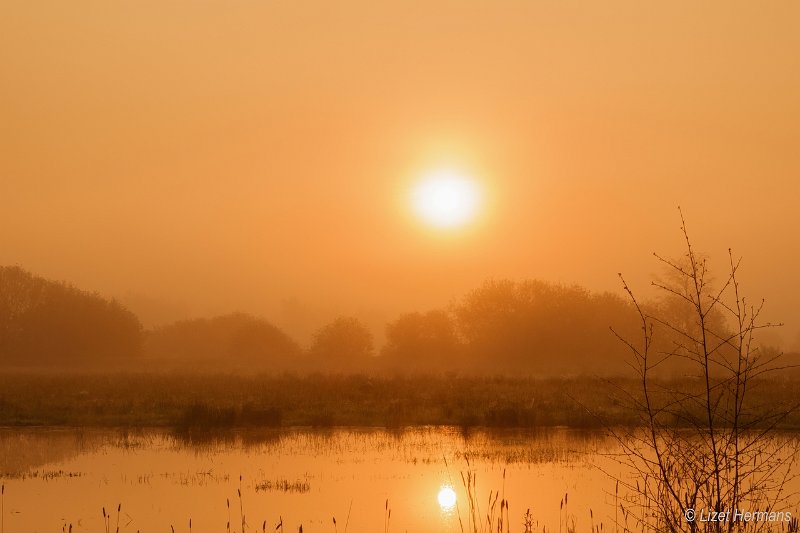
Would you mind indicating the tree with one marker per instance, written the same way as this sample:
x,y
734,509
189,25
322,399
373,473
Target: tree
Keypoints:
x,y
543,328
706,447
344,344
44,322
237,340
422,342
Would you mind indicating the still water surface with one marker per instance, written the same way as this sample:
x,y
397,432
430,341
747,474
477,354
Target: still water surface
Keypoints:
x,y
300,476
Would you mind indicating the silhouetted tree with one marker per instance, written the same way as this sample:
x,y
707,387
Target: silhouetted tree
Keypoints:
x,y
236,341
418,342
708,446
51,323
344,344
540,327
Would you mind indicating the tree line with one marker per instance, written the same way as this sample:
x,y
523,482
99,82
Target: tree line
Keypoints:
x,y
501,327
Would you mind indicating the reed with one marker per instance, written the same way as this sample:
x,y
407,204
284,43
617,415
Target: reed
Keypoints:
x,y
387,514
497,518
241,504
347,522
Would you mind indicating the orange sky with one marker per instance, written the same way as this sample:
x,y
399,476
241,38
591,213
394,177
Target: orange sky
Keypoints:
x,y
199,157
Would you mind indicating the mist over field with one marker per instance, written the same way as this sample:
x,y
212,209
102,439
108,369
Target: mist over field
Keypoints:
x,y
193,161
360,265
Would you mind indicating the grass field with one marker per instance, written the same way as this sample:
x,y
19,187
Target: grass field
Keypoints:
x,y
184,401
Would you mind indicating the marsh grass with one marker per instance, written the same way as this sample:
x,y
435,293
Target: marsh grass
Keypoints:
x,y
192,403
45,475
284,485
495,519
492,520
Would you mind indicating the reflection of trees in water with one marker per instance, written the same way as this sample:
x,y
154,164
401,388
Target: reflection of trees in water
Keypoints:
x,y
413,445
218,441
23,451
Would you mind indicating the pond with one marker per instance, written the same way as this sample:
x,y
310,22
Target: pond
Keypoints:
x,y
366,479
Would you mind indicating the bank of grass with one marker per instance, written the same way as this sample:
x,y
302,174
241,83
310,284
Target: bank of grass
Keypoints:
x,y
185,401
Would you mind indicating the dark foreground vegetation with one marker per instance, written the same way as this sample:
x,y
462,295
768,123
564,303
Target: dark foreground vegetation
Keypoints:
x,y
218,402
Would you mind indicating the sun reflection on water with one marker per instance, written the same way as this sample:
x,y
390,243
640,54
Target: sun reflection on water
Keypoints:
x,y
447,498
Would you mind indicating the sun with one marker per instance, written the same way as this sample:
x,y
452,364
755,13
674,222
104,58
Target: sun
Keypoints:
x,y
445,199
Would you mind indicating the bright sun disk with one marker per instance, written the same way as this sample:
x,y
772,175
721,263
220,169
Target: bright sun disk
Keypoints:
x,y
445,199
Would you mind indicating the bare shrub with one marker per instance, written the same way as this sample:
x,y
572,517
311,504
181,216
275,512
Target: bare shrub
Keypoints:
x,y
703,445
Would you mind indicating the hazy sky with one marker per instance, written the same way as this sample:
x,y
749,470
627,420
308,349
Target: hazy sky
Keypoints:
x,y
201,157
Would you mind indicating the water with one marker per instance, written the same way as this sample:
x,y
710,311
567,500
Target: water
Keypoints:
x,y
58,477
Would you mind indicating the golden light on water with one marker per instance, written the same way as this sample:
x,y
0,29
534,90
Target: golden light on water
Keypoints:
x,y
446,497
446,199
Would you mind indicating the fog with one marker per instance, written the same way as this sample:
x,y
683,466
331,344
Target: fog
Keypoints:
x,y
198,159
